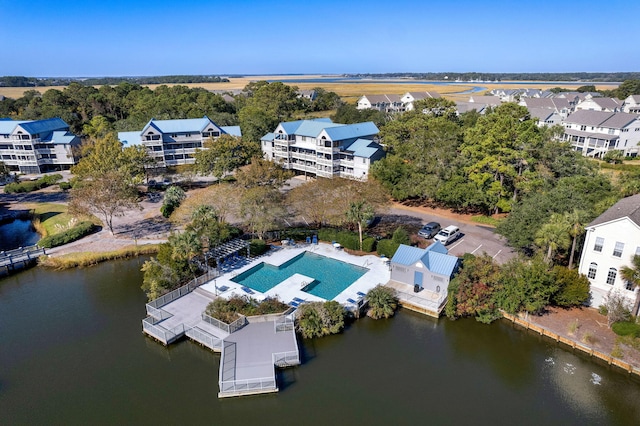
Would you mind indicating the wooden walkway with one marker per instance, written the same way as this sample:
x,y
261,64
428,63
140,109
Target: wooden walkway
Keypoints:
x,y
19,258
251,348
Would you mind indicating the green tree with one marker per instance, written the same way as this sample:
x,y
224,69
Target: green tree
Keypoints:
x,y
526,285
631,274
262,172
173,196
5,172
576,219
553,235
224,155
573,287
206,224
262,209
317,319
359,213
615,156
382,301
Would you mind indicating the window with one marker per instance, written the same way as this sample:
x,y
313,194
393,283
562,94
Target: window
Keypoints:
x,y
617,251
583,128
629,285
611,276
598,245
593,268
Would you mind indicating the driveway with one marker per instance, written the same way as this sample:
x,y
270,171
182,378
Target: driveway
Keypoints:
x,y
475,238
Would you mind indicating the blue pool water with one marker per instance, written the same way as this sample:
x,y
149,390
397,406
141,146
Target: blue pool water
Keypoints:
x,y
331,276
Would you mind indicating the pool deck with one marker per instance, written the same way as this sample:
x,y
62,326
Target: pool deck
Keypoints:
x,y
291,288
252,351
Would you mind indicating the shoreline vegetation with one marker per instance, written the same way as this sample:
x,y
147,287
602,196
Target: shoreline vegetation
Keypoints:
x,y
86,259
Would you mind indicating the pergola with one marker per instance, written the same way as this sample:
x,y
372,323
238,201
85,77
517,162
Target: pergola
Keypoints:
x,y
226,249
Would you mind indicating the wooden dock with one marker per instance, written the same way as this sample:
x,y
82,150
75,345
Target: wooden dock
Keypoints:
x,y
13,260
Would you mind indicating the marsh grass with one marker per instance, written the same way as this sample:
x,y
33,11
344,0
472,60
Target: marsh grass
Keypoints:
x,y
84,259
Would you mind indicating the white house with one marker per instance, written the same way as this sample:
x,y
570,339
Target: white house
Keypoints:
x,y
174,142
593,133
384,103
324,148
612,239
410,97
492,101
600,104
632,104
559,105
545,116
462,107
38,146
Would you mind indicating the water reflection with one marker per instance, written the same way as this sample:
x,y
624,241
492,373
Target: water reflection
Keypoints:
x,y
19,233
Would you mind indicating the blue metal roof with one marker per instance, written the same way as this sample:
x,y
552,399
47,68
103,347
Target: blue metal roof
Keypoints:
x,y
44,126
312,128
232,130
64,137
352,131
182,125
7,126
434,258
365,148
130,138
268,137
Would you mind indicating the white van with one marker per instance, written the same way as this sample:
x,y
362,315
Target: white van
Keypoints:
x,y
448,234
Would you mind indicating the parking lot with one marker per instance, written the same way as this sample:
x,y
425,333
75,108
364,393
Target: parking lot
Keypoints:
x,y
475,238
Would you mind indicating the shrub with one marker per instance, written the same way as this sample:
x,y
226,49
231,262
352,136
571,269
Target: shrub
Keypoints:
x,y
383,302
297,234
401,236
258,247
573,287
387,247
229,310
65,186
626,328
317,319
73,234
368,244
347,239
30,186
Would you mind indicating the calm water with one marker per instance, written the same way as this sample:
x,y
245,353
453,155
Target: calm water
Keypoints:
x,y
73,353
18,233
331,276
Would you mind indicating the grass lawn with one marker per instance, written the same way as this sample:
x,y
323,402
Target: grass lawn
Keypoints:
x,y
486,220
51,218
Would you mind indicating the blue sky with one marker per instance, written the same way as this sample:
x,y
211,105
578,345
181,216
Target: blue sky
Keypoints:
x,y
118,38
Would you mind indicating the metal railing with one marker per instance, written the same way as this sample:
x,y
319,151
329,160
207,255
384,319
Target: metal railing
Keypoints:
x,y
165,335
434,304
227,328
285,359
20,255
283,324
179,292
159,314
206,339
248,385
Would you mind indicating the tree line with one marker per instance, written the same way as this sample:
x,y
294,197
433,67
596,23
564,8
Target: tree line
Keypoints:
x,y
20,81
483,76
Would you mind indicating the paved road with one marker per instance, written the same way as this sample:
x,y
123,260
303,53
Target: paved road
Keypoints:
x,y
476,239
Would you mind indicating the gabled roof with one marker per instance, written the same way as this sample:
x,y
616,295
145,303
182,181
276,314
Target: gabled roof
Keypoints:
x,y
541,114
463,107
336,131
613,120
627,207
488,100
63,137
382,99
232,130
181,125
268,137
423,95
129,138
365,148
44,126
434,258
352,131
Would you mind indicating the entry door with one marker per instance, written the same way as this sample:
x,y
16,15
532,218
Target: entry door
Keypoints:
x,y
417,278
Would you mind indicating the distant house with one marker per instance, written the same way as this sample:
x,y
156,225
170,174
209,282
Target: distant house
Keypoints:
x,y
545,116
560,105
428,270
492,101
593,133
308,94
611,240
462,107
600,104
384,103
37,146
410,97
632,104
323,148
174,142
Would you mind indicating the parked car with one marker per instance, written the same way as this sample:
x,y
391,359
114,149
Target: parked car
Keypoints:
x,y
448,234
429,230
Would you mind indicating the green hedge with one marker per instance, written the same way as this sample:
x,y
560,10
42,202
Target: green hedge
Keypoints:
x,y
387,247
32,185
368,244
347,239
75,233
257,247
626,329
297,234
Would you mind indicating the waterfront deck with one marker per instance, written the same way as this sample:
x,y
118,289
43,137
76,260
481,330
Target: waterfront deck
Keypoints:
x,y
425,302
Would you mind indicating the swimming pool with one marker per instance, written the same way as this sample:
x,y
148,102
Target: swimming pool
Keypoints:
x,y
331,276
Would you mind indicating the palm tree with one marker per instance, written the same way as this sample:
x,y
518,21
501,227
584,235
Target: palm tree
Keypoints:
x,y
631,274
576,220
359,212
382,302
553,235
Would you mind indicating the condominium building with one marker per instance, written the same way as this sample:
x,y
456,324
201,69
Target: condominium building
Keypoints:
x,y
593,133
174,142
37,146
324,148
